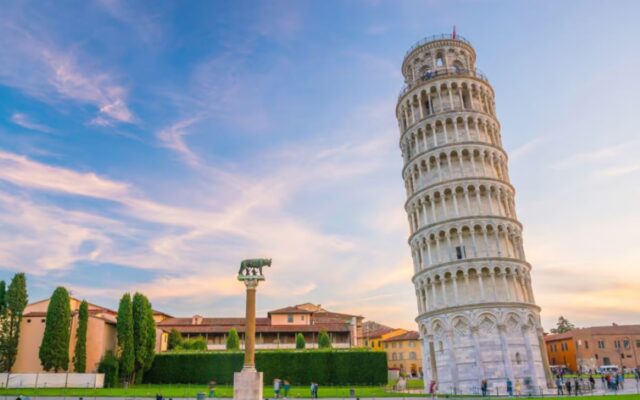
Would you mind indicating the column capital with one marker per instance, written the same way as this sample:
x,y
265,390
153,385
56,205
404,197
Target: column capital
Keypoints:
x,y
252,284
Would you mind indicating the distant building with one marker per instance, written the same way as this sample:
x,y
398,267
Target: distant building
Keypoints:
x,y
404,352
584,349
373,332
101,335
278,330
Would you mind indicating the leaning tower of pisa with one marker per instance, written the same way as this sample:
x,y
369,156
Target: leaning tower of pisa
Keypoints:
x,y
476,310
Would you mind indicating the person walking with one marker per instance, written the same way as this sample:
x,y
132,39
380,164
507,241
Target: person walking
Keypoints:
x,y
483,387
559,385
286,386
276,387
621,381
567,384
576,386
433,386
518,387
509,387
592,382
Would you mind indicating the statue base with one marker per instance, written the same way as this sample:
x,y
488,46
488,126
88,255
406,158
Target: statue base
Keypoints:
x,y
247,384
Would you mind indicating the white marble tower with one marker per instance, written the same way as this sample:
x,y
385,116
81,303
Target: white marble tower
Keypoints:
x,y
477,314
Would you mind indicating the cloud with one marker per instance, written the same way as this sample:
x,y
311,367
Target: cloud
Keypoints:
x,y
526,148
52,74
172,137
601,154
613,172
24,121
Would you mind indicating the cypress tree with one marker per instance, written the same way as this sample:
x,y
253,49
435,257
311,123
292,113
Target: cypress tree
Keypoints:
x,y
300,343
3,296
233,340
144,334
16,300
80,353
124,327
54,350
175,339
324,342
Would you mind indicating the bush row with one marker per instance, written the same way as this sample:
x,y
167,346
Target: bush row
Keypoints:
x,y
326,367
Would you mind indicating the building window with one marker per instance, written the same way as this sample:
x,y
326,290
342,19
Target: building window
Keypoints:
x,y
601,344
412,355
290,318
586,344
393,345
394,356
626,344
606,361
401,355
616,344
43,320
518,360
460,252
564,346
28,321
302,317
637,343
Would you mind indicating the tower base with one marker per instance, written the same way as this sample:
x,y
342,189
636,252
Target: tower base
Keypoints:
x,y
247,384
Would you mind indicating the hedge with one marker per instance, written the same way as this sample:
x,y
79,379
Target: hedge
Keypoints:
x,y
326,367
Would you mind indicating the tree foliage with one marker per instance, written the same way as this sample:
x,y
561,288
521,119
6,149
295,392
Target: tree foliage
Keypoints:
x,y
54,350
324,342
144,334
16,300
80,352
175,339
233,340
563,325
300,343
3,296
198,343
109,366
124,327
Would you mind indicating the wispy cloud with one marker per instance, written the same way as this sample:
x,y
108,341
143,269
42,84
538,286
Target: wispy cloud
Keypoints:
x,y
24,121
526,148
600,154
172,137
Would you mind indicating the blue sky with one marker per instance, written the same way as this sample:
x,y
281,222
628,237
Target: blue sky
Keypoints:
x,y
152,145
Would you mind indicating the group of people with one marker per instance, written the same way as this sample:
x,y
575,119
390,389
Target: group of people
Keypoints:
x,y
576,386
281,385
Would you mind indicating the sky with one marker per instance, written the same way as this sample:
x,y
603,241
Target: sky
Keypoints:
x,y
150,146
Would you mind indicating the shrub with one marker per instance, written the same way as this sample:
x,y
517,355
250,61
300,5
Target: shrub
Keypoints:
x,y
233,340
108,366
300,343
175,339
323,340
198,343
326,367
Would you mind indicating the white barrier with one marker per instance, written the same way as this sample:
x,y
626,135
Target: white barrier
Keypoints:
x,y
51,380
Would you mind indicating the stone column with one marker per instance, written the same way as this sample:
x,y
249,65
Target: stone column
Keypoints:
x,y
545,359
250,325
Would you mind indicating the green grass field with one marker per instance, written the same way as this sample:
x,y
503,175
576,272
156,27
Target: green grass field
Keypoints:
x,y
175,391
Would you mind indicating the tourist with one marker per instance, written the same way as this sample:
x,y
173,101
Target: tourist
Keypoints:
x,y
592,382
276,387
518,387
576,385
567,384
621,380
509,387
483,387
286,388
559,385
433,386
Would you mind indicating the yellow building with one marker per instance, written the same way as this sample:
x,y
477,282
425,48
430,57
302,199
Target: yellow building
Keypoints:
x,y
404,352
101,335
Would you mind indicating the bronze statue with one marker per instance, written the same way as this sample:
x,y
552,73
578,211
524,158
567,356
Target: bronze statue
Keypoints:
x,y
253,267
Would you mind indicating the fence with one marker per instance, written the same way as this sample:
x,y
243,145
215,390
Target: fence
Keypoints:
x,y
51,380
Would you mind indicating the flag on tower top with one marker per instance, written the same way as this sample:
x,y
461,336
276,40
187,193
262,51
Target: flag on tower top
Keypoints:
x,y
454,31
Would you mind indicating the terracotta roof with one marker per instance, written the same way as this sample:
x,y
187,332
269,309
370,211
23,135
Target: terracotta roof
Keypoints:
x,y
335,328
290,310
372,329
596,330
170,322
411,335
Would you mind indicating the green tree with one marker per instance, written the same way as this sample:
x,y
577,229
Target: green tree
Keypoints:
x,y
175,338
124,328
54,350
300,343
144,335
16,300
233,340
323,340
563,325
3,296
80,352
109,367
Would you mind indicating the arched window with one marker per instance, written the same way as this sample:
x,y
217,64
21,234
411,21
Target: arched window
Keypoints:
x,y
439,61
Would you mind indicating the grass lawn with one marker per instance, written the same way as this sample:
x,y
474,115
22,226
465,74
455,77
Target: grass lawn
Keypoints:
x,y
191,391
175,391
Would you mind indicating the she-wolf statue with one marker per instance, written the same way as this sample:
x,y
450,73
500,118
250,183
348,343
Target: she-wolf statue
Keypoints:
x,y
253,266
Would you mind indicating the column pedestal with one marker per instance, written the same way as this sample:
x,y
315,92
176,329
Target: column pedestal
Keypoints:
x,y
247,385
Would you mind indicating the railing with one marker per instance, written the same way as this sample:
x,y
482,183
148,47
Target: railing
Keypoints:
x,y
440,72
444,36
